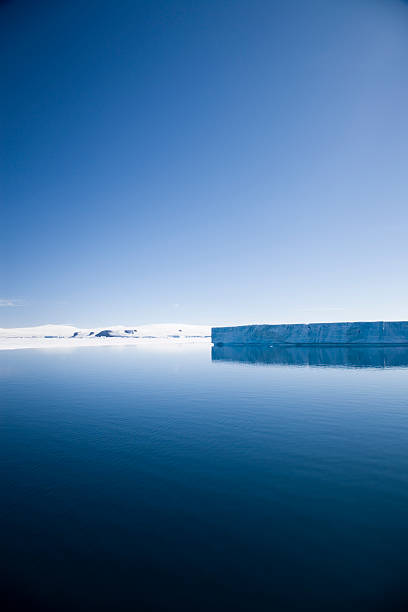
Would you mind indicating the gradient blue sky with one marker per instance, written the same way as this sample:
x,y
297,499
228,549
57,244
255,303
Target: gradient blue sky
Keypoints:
x,y
203,161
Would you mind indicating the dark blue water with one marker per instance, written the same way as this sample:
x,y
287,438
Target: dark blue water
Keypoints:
x,y
180,479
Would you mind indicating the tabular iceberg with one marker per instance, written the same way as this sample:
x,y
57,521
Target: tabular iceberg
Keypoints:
x,y
376,332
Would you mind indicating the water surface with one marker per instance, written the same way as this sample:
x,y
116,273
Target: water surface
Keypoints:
x,y
180,478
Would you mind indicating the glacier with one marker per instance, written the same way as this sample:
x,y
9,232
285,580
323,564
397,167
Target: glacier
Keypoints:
x,y
69,336
356,333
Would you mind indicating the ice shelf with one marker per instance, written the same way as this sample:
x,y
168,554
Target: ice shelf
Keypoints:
x,y
367,332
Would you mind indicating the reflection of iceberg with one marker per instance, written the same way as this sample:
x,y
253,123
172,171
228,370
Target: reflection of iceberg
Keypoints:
x,y
340,356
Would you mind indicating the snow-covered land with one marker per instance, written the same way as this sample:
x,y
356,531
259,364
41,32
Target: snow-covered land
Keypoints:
x,y
368,332
62,336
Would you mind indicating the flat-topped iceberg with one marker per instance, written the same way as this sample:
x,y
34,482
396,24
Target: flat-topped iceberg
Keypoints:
x,y
376,332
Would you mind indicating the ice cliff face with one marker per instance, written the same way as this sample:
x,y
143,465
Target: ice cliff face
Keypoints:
x,y
377,332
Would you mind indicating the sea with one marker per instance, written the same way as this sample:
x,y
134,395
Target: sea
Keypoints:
x,y
198,478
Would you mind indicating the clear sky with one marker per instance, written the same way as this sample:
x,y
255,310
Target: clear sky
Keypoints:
x,y
203,161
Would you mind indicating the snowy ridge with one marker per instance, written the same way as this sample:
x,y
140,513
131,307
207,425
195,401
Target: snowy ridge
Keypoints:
x,y
54,336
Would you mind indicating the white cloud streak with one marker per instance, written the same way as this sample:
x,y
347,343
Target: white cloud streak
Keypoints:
x,y
5,303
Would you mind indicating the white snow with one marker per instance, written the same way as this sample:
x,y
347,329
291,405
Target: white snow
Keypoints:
x,y
69,336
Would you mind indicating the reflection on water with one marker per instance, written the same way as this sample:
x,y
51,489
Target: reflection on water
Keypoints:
x,y
340,356
152,478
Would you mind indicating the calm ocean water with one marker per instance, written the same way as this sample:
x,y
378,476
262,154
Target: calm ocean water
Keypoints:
x,y
185,478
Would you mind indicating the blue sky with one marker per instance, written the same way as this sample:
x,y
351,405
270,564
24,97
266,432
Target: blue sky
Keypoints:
x,y
203,161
